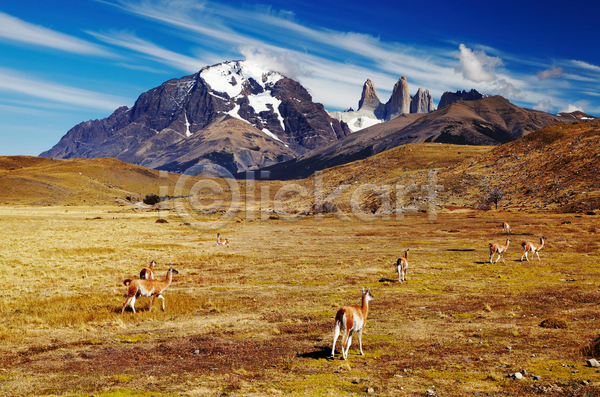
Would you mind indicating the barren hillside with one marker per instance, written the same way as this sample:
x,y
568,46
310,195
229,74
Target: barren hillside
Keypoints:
x,y
42,181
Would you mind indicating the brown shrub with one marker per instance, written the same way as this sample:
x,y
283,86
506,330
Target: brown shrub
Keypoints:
x,y
593,349
553,322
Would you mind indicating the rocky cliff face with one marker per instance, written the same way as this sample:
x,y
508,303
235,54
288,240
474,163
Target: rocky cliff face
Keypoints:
x,y
399,102
165,118
369,101
422,102
371,111
449,97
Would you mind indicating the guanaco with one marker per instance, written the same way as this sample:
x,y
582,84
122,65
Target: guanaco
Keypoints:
x,y
221,241
351,319
146,288
147,273
506,228
402,265
498,249
534,248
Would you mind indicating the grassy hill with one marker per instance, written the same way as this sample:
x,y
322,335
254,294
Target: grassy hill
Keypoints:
x,y
554,168
42,181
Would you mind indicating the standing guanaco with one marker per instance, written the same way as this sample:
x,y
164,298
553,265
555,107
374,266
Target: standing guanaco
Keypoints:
x,y
221,241
534,248
498,249
351,319
147,273
402,265
146,288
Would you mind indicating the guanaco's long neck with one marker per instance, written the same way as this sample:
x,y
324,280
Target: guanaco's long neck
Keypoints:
x,y
365,305
406,254
168,279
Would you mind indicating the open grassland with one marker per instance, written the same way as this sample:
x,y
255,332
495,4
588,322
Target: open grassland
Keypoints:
x,y
256,318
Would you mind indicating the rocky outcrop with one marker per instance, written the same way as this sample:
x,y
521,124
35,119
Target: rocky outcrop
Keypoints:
x,y
488,121
165,118
421,102
449,97
371,111
399,102
369,99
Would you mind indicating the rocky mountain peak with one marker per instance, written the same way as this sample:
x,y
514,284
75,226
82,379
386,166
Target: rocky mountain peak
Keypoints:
x,y
399,102
369,99
449,97
371,111
422,102
170,121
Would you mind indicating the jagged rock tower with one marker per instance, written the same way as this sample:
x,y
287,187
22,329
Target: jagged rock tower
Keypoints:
x,y
422,102
399,102
371,111
369,101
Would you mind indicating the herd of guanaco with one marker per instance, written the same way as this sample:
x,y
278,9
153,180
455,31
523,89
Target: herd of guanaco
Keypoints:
x,y
351,319
348,319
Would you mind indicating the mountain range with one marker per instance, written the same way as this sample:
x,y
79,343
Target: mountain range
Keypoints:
x,y
372,111
235,113
243,117
487,121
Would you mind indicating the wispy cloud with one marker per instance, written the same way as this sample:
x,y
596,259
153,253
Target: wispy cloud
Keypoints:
x,y
315,56
332,64
15,30
586,65
14,82
131,42
553,73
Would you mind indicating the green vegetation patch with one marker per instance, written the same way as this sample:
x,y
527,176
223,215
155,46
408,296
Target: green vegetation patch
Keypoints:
x,y
133,338
120,392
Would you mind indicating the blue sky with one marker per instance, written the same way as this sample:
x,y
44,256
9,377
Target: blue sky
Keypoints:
x,y
68,61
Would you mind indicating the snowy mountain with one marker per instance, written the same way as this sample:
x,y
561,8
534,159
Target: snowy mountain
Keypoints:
x,y
274,119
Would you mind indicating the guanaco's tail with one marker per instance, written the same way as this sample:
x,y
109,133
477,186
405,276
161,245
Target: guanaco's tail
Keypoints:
x,y
126,282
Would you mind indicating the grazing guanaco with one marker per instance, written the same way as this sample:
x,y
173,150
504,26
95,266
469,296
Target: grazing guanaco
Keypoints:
x,y
498,249
506,228
534,248
147,273
146,288
221,241
402,265
351,319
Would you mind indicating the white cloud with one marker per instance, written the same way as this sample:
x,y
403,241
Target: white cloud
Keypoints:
x,y
586,65
16,30
572,108
282,62
545,105
129,41
508,90
14,82
475,65
553,73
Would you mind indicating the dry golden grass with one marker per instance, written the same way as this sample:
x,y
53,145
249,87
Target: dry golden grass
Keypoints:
x,y
257,318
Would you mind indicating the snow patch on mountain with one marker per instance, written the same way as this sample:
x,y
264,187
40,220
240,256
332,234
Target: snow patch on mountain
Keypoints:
x,y
360,123
232,77
187,125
